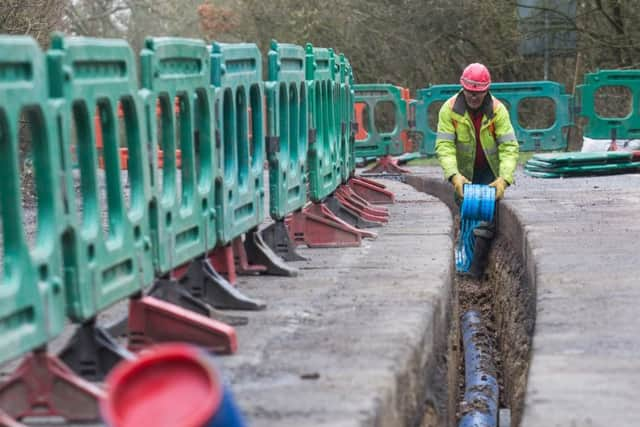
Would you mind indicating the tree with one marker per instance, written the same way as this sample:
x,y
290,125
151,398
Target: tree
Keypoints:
x,y
37,18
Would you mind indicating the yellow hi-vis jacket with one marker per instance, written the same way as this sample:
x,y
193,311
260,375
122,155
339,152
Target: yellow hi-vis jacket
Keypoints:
x,y
456,139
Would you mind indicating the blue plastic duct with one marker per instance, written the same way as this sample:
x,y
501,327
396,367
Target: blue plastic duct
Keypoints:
x,y
478,205
481,385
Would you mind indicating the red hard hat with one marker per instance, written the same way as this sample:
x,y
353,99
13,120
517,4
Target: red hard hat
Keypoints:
x,y
475,78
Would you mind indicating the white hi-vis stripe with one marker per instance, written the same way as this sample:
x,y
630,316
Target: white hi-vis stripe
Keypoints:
x,y
446,136
506,137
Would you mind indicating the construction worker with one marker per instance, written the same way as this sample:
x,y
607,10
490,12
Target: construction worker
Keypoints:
x,y
476,144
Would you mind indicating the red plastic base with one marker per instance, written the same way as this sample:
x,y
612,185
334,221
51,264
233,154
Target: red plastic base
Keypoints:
x,y
348,198
317,227
378,210
43,386
243,266
371,191
7,421
152,320
223,261
387,164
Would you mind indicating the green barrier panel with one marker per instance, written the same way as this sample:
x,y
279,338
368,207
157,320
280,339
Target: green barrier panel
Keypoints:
x,y
585,170
287,129
324,173
108,255
352,118
32,304
378,143
347,114
338,120
552,138
424,99
600,127
581,164
577,159
512,94
179,107
236,73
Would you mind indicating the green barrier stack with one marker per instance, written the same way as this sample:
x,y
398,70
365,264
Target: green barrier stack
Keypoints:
x,y
379,144
324,173
102,267
236,73
182,208
581,164
613,128
512,94
32,301
138,184
287,108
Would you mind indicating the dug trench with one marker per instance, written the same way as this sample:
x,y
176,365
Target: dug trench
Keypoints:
x,y
505,297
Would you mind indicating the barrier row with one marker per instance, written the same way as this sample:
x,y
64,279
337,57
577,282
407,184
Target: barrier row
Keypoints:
x,y
560,110
150,192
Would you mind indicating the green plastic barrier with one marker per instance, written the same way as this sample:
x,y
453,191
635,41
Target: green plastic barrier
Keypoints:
x,y
287,128
551,138
339,120
179,107
352,103
424,98
108,254
609,127
347,95
376,143
236,73
32,300
324,173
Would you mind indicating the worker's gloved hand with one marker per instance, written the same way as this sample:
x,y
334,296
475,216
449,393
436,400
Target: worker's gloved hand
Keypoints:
x,y
458,182
500,185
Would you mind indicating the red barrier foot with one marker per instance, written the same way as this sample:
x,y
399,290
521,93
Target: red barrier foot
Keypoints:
x,y
318,227
349,215
223,261
387,164
361,201
43,386
243,264
371,191
7,421
379,220
364,209
152,320
320,209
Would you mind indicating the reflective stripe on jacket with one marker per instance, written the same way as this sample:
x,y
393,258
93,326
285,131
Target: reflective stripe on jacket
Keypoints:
x,y
456,139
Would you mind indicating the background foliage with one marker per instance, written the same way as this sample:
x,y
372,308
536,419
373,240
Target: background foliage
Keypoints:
x,y
408,43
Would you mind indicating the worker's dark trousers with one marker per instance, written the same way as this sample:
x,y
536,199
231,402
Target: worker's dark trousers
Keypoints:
x,y
484,231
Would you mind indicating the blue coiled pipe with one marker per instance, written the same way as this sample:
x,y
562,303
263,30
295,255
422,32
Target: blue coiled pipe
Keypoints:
x,y
478,205
481,385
